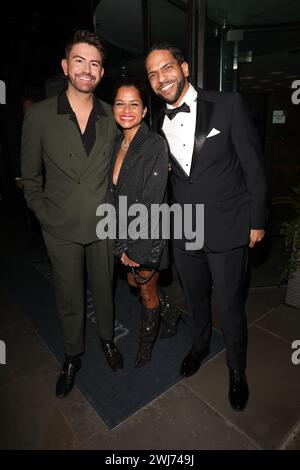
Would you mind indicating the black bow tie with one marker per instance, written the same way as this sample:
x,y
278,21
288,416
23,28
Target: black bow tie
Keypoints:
x,y
171,112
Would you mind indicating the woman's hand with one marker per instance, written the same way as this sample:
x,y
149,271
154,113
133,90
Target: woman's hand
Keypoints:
x,y
128,262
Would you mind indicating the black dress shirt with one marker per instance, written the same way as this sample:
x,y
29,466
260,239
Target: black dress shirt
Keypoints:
x,y
89,136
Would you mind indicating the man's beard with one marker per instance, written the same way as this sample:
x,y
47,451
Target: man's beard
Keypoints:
x,y
180,87
88,88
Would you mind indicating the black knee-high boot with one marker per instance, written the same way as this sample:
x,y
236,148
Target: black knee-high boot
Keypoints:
x,y
170,315
148,334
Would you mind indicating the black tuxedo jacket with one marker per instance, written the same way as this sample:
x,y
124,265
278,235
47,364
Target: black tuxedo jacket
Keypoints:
x,y
227,174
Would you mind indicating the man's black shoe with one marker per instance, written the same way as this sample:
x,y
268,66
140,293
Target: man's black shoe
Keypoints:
x,y
238,390
66,379
112,354
191,363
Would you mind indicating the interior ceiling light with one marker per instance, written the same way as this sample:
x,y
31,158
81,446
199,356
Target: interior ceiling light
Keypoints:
x,y
276,72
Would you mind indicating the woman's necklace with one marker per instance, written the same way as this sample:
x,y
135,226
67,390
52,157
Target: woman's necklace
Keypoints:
x,y
125,145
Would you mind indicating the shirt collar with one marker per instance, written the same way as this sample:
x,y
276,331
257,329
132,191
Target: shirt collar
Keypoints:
x,y
189,97
64,107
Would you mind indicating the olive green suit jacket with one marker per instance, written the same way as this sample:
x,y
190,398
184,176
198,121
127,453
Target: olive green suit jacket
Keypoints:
x,y
62,184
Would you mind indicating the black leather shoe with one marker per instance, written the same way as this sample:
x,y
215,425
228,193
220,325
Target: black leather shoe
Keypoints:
x,y
238,390
112,354
66,379
191,363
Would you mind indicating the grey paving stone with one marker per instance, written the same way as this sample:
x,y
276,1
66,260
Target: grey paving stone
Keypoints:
x,y
176,420
262,300
30,420
25,350
283,321
80,415
274,382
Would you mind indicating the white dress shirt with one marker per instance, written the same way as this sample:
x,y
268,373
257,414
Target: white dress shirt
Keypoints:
x,y
180,131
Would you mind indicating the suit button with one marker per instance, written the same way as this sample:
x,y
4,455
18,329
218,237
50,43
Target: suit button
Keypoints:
x,y
79,182
191,181
71,154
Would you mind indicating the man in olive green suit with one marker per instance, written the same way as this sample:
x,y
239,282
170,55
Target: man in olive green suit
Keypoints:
x,y
71,137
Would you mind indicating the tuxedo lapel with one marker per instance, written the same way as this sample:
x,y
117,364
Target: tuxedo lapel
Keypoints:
x,y
204,113
160,121
203,118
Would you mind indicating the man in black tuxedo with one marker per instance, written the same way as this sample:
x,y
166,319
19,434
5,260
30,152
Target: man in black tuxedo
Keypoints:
x,y
215,161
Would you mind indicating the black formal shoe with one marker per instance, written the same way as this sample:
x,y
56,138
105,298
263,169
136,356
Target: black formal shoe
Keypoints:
x,y
112,354
191,363
66,379
238,390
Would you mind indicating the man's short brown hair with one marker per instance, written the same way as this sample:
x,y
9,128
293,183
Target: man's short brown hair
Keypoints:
x,y
84,36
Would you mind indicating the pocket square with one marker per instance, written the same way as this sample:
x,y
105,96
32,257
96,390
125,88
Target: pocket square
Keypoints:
x,y
213,132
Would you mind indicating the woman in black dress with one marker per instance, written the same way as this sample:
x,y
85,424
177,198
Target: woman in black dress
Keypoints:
x,y
139,172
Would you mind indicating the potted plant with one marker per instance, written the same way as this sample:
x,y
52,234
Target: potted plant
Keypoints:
x,y
291,233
